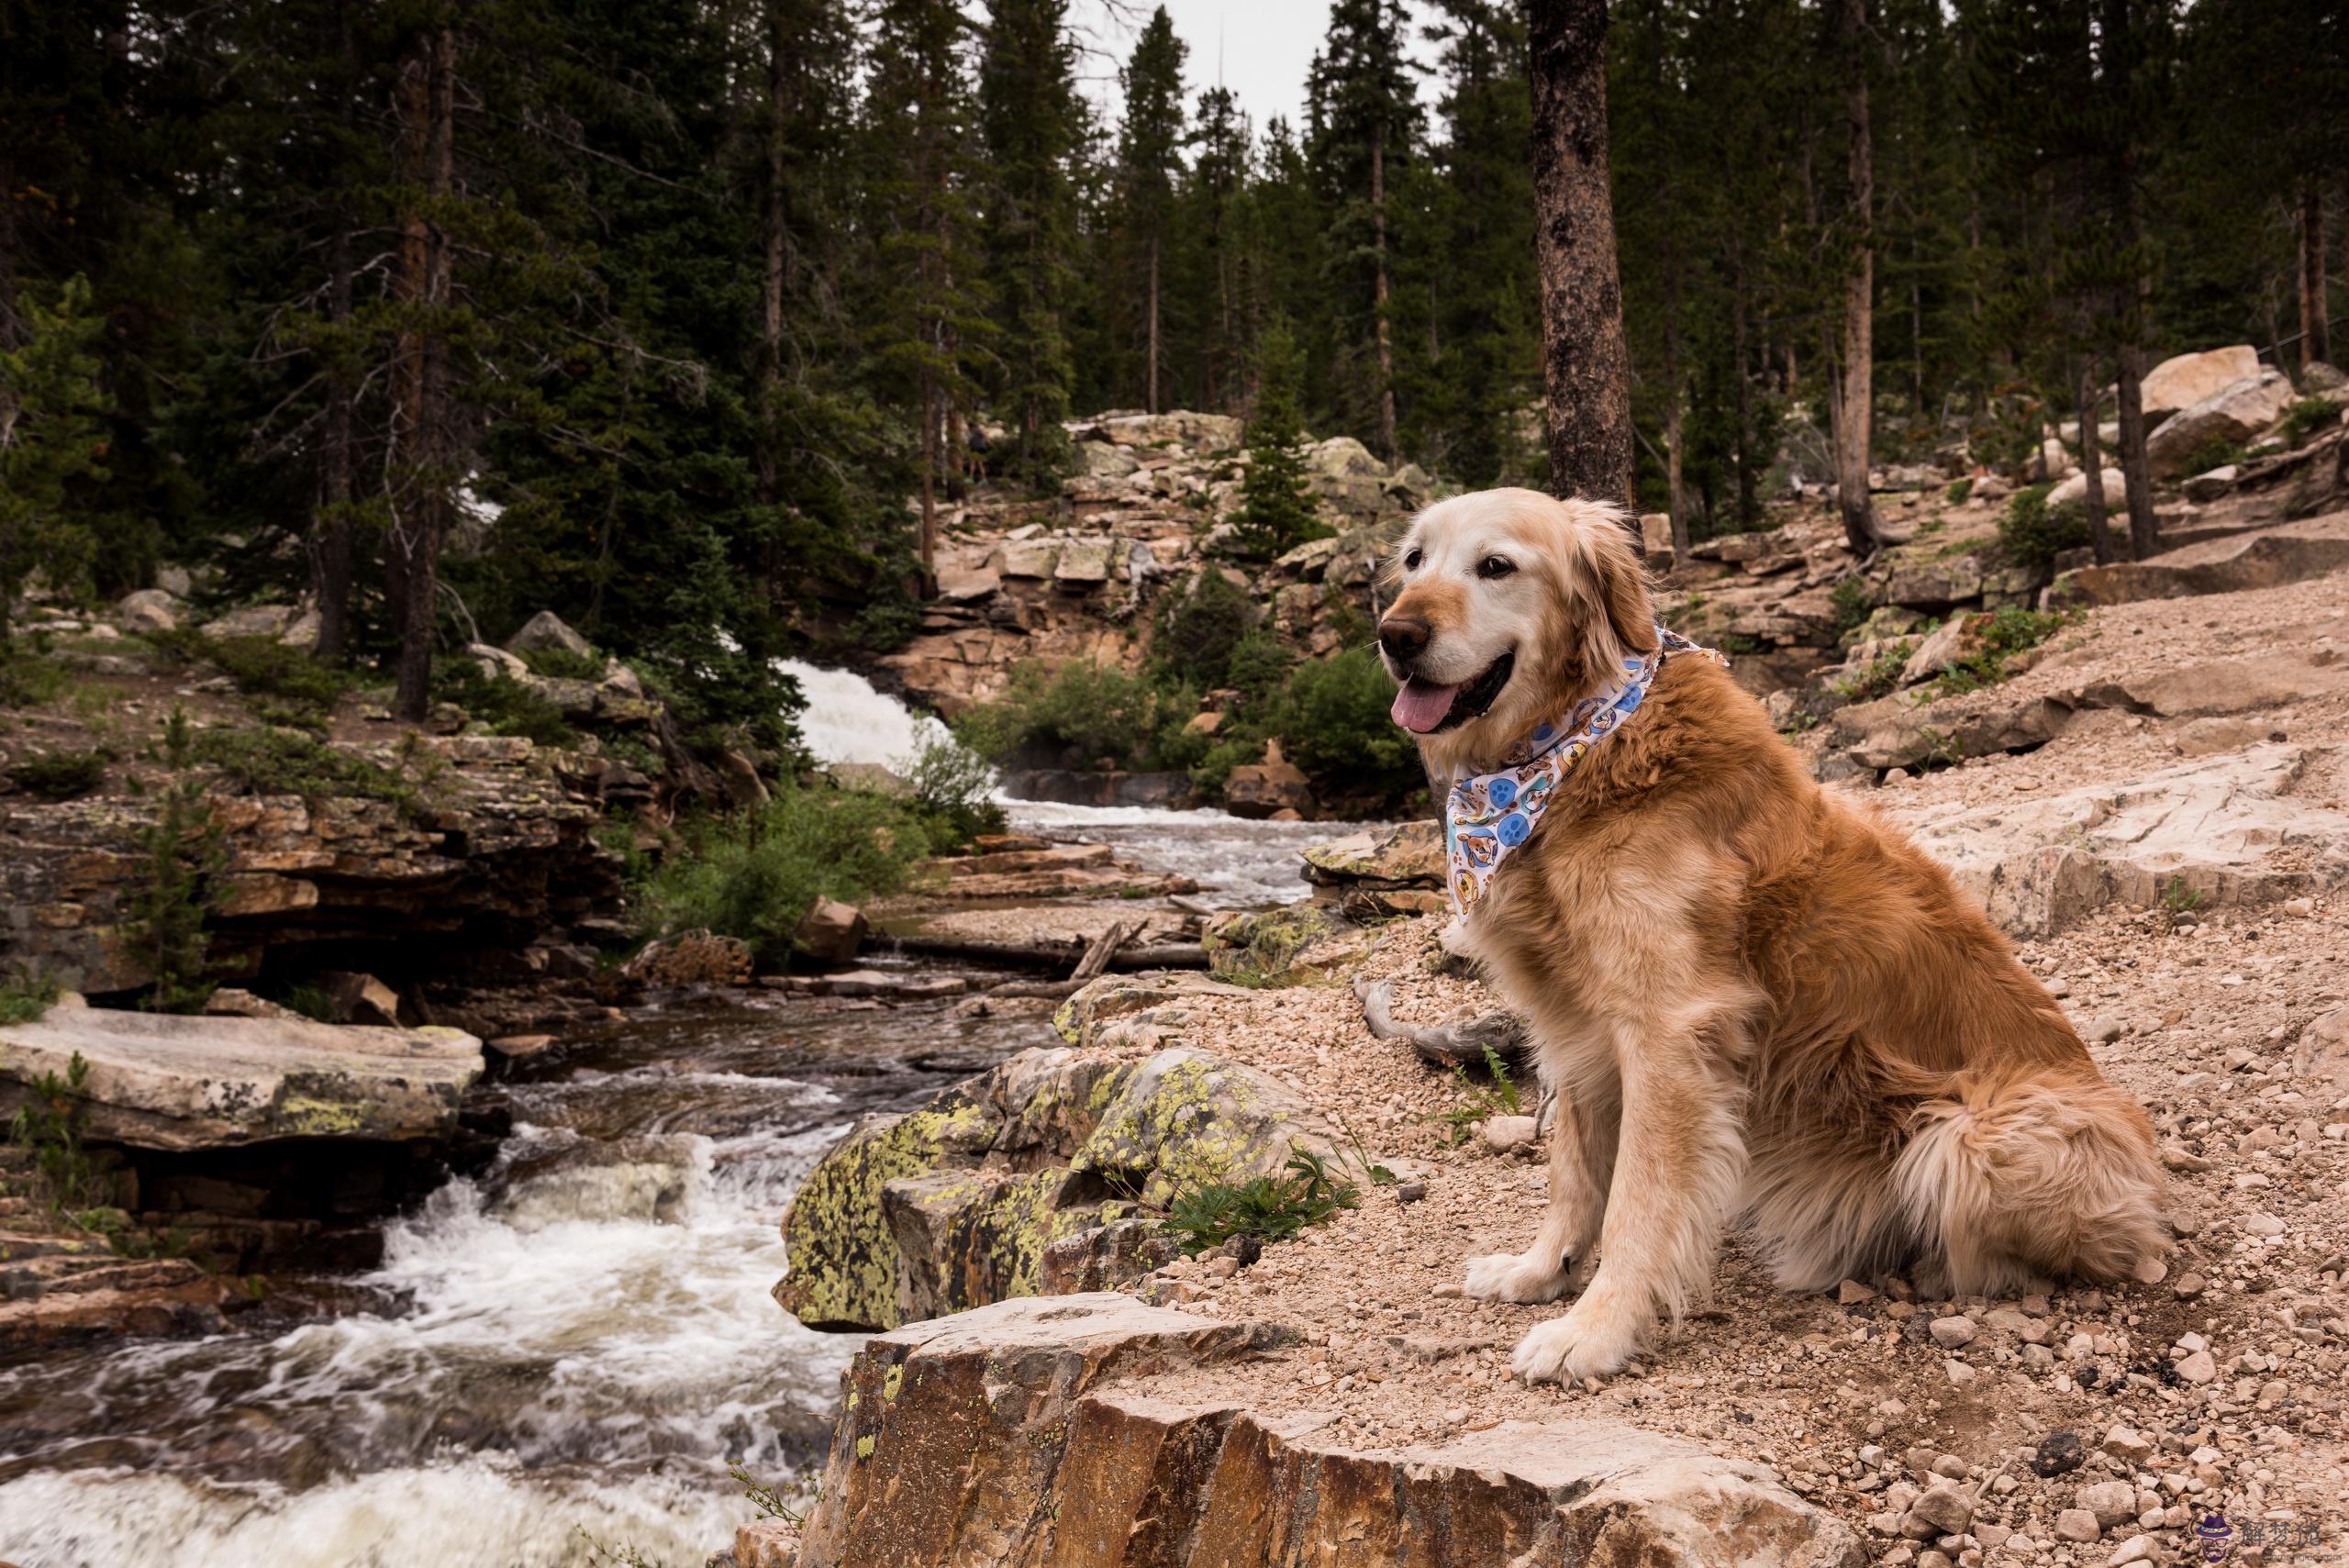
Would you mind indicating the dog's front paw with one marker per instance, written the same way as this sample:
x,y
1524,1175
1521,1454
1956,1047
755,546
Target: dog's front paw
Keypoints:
x,y
1516,1276
1588,1342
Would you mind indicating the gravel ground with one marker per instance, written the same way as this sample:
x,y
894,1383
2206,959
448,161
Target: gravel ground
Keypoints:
x,y
2082,1427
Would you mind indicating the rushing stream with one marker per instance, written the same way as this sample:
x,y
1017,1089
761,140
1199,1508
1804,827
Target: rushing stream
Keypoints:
x,y
574,1347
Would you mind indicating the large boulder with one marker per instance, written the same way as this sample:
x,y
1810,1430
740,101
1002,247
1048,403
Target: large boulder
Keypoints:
x,y
161,1080
831,931
1398,869
953,1205
148,610
1014,1434
549,632
1269,788
2264,558
2185,379
2233,415
2229,830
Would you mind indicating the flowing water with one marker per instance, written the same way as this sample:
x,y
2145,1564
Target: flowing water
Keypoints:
x,y
565,1354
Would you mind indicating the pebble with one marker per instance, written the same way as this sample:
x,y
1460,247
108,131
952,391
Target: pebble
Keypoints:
x,y
1944,1509
1410,1191
2060,1453
2112,1502
2136,1549
1852,1293
1503,1133
2199,1367
1953,1333
2077,1524
2125,1442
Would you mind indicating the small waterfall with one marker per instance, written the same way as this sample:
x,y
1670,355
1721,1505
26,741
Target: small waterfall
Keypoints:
x,y
847,720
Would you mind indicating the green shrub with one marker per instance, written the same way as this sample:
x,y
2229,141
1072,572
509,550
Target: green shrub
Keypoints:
x,y
30,679
1199,626
25,997
1853,601
756,876
2035,533
2009,631
1269,1209
504,704
1879,677
2306,414
284,762
1334,723
297,686
47,1125
562,664
1259,665
1094,711
1958,491
2216,452
1497,1098
60,775
950,785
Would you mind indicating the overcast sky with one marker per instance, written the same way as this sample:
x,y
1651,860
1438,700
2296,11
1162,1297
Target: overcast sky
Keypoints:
x,y
1261,49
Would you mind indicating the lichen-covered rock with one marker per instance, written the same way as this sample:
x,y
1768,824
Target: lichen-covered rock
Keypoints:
x,y
160,1081
955,1205
1157,997
1396,871
1015,1434
1294,944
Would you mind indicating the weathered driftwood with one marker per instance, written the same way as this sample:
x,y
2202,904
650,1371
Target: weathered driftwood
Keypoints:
x,y
1101,951
1466,1039
1054,958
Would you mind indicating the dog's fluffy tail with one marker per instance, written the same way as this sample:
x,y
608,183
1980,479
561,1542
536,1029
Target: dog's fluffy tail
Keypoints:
x,y
2017,1178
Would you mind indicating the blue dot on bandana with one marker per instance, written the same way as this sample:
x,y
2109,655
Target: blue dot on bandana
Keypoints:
x,y
1514,829
1503,792
1543,733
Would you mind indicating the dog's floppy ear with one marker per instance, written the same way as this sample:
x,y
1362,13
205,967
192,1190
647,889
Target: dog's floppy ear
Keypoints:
x,y
1618,614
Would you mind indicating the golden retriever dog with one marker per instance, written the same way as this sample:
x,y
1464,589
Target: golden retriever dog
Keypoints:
x,y
1752,1000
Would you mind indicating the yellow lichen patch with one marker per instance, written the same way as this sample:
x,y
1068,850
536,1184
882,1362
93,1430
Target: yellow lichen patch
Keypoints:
x,y
895,1381
303,1118
865,1447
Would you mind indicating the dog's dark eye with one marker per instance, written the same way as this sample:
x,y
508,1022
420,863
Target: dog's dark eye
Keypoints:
x,y
1411,560
1496,566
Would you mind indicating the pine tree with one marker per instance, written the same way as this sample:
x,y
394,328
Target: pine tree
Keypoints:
x,y
1277,512
1365,123
1150,139
1031,124
929,322
1211,219
50,440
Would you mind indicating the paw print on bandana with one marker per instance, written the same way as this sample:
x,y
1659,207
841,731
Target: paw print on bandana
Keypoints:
x,y
1514,828
1502,793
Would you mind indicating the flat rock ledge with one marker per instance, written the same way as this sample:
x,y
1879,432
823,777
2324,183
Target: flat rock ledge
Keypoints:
x,y
161,1082
1025,1433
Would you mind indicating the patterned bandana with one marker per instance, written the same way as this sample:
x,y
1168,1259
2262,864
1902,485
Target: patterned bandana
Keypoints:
x,y
1486,816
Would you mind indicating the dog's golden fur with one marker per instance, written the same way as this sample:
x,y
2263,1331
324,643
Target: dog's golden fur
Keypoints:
x,y
1751,998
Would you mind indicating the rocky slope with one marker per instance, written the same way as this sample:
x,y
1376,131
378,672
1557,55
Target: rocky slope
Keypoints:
x,y
2173,859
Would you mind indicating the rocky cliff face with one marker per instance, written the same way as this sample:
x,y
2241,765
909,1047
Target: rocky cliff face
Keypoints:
x,y
1052,581
490,873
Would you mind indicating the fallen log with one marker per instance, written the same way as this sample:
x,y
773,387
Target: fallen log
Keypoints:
x,y
1446,1045
1054,958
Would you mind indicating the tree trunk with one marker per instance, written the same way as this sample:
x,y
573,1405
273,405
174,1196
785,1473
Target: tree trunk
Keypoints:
x,y
929,400
775,224
1857,404
1586,367
1150,400
2116,36
2092,459
2136,478
333,545
1748,506
1675,449
1378,293
2314,338
422,418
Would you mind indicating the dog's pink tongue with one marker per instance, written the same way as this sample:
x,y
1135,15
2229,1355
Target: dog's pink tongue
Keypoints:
x,y
1420,706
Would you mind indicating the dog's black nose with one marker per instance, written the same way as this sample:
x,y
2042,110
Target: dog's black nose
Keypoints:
x,y
1404,637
